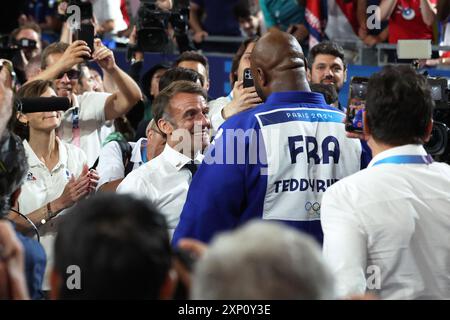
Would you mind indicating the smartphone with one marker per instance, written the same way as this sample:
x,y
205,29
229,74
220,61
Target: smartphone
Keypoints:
x,y
87,34
248,79
356,104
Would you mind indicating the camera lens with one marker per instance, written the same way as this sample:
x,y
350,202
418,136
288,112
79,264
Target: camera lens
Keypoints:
x,y
438,141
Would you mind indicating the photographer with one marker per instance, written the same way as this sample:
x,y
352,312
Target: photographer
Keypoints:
x,y
392,217
58,176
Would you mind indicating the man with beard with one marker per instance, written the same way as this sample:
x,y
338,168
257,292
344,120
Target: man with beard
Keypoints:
x,y
181,113
82,122
326,65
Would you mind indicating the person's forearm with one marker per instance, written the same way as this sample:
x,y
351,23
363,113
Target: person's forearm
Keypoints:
x,y
66,34
361,13
428,12
383,36
386,9
50,73
194,22
110,186
108,83
127,95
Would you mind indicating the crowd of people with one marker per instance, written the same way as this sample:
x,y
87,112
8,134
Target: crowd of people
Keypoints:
x,y
154,190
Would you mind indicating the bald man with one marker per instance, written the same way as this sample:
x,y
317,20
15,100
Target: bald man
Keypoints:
x,y
274,161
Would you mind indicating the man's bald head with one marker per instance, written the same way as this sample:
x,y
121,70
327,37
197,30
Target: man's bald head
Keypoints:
x,y
278,64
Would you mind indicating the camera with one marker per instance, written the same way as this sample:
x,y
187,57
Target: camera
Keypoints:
x,y
153,23
438,145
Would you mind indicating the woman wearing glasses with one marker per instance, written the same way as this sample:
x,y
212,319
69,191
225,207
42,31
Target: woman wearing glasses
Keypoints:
x,y
58,176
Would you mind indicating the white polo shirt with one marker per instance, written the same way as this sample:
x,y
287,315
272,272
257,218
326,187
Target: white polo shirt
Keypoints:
x,y
91,116
43,186
110,165
164,182
390,222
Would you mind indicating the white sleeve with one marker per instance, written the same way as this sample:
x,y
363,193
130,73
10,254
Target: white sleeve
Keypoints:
x,y
215,112
92,107
345,242
136,185
110,165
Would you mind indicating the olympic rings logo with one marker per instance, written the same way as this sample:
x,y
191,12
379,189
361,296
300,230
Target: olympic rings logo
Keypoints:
x,y
312,206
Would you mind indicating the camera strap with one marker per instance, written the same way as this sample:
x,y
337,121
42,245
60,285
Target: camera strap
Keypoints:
x,y
406,159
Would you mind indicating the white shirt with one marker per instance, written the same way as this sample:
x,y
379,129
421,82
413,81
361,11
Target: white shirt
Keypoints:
x,y
164,182
393,220
43,186
110,164
91,113
109,10
215,111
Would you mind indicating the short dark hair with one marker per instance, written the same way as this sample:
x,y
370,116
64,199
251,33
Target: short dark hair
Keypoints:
x,y
177,74
399,106
162,101
328,91
193,56
326,47
56,47
13,169
146,80
239,53
121,245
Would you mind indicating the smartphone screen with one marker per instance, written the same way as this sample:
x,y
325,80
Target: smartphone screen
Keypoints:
x,y
86,33
356,104
248,79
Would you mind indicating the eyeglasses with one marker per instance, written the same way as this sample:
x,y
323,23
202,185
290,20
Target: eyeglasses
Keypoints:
x,y
72,74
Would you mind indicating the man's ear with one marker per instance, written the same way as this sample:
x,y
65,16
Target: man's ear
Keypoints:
x,y
169,285
165,126
261,76
308,75
22,117
428,131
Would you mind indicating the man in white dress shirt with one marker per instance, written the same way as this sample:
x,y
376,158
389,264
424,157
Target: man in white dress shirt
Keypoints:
x,y
387,228
181,112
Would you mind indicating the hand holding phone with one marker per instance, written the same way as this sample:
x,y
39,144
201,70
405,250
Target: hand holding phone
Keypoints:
x,y
356,105
248,78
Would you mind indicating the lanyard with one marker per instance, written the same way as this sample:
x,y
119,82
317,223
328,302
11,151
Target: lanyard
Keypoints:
x,y
406,159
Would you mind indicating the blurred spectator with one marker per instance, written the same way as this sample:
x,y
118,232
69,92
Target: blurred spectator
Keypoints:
x,y
58,176
98,79
409,19
262,261
443,14
286,16
28,38
121,247
240,99
15,171
328,91
44,13
109,16
180,111
213,18
248,21
197,62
